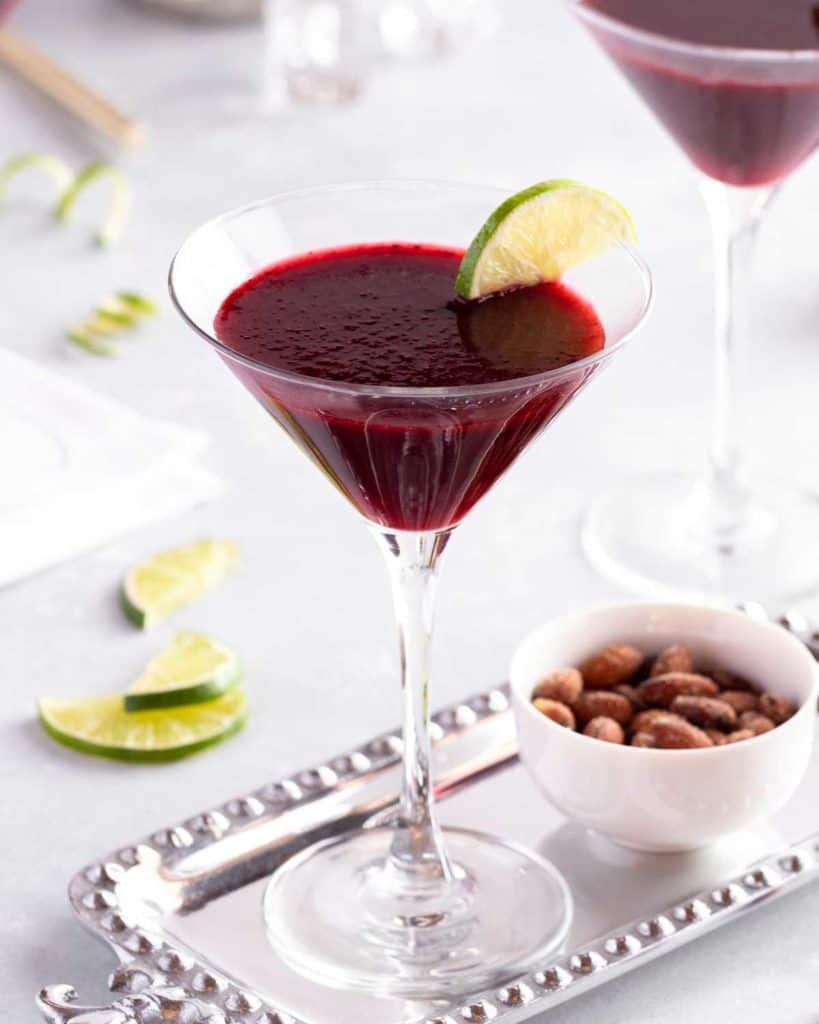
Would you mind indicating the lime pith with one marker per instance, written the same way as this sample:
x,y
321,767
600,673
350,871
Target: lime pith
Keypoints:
x,y
102,726
191,670
539,234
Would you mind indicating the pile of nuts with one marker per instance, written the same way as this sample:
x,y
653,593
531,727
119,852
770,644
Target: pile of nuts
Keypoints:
x,y
620,696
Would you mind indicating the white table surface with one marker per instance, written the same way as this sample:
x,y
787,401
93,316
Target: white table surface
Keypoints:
x,y
309,610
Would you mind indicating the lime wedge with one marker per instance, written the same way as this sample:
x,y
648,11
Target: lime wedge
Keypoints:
x,y
171,579
540,233
53,166
120,205
192,669
101,725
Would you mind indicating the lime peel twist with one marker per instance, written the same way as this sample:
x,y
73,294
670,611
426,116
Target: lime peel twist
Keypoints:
x,y
54,167
70,186
120,205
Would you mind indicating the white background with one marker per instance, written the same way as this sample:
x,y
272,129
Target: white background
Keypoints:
x,y
309,611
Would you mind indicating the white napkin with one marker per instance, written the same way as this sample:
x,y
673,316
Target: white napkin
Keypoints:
x,y
78,469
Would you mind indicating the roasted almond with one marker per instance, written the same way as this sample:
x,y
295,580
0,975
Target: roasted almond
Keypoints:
x,y
606,729
726,680
718,738
642,739
643,720
555,710
630,693
755,722
740,700
738,735
678,734
611,667
596,703
564,684
675,658
660,691
706,712
776,708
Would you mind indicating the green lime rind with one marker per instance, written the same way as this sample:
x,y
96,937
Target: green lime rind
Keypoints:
x,y
100,726
54,167
119,207
199,693
156,588
466,271
466,285
89,341
192,669
135,615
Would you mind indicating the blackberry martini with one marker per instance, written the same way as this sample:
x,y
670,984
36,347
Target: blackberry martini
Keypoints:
x,y
737,126
369,319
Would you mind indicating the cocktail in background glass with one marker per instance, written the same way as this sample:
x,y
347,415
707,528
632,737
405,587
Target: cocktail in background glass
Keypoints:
x,y
736,84
339,340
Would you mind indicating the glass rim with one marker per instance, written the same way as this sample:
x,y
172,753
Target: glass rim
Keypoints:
x,y
731,53
376,390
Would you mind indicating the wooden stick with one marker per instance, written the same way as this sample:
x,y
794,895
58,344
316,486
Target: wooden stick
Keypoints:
x,y
71,94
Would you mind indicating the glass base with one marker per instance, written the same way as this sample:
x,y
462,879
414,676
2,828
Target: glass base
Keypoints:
x,y
339,914
660,533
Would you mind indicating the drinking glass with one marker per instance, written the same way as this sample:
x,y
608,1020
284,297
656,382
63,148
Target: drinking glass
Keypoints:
x,y
317,51
746,118
403,906
421,29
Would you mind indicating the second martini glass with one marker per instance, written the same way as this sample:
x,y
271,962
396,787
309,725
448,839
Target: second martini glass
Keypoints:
x,y
747,115
403,907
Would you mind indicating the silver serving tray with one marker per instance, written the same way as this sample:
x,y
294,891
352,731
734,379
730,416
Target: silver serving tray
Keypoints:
x,y
182,908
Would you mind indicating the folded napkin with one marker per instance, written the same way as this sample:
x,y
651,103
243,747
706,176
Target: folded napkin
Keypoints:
x,y
78,469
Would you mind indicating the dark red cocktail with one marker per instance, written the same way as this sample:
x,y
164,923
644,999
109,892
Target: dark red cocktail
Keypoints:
x,y
741,128
382,317
736,83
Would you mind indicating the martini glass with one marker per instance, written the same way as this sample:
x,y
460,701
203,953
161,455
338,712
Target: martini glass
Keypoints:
x,y
746,118
404,907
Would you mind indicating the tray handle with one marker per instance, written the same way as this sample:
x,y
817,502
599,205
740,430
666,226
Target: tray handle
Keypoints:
x,y
58,1005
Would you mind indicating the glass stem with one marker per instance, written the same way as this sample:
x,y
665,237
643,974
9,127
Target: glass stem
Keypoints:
x,y
735,214
417,850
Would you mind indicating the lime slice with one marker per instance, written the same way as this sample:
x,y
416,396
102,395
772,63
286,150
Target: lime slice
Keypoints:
x,y
171,579
126,309
539,234
136,303
119,208
115,316
191,670
54,167
122,312
101,725
88,340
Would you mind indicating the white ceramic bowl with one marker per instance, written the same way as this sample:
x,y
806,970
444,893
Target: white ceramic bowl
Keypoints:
x,y
667,800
